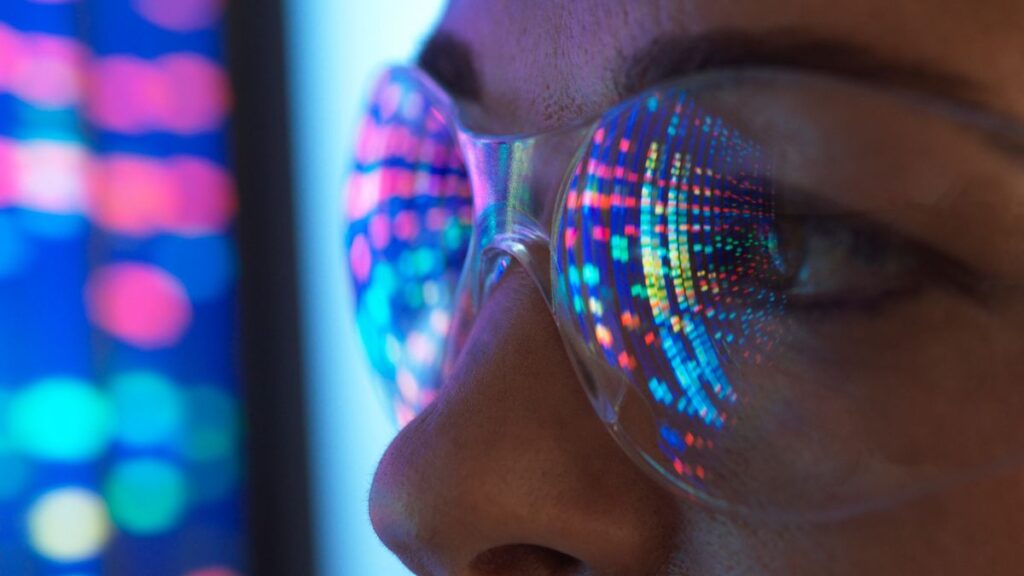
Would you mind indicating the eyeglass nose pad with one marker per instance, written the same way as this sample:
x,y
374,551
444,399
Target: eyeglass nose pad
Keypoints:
x,y
533,254
505,232
501,236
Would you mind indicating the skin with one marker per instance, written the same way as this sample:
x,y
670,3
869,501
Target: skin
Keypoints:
x,y
509,471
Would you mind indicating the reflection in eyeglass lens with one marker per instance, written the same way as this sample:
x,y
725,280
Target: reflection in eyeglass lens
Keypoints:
x,y
410,218
791,304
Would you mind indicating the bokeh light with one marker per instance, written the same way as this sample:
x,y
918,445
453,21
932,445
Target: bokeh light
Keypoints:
x,y
139,304
150,409
117,271
40,68
7,166
146,496
132,195
60,419
179,93
6,445
10,47
138,196
69,525
15,470
181,15
51,177
207,202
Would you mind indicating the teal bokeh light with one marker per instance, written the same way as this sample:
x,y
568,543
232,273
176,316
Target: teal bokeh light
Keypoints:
x,y
60,419
150,409
15,470
146,496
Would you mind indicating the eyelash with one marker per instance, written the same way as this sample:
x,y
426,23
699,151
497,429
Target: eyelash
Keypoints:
x,y
913,267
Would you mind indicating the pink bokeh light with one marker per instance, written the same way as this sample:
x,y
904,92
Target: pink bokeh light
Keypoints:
x,y
407,225
180,93
139,304
206,200
380,231
131,195
361,258
181,15
140,196
200,94
10,53
42,69
128,194
49,176
7,179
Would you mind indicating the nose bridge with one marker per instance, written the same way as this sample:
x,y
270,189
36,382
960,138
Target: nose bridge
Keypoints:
x,y
507,226
500,172
523,174
517,185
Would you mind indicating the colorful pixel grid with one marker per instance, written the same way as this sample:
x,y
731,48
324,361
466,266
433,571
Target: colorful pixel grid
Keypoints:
x,y
119,406
665,246
410,214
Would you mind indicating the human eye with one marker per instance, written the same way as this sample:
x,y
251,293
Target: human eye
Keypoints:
x,y
834,263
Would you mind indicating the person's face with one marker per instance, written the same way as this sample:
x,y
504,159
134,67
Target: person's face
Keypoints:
x,y
509,470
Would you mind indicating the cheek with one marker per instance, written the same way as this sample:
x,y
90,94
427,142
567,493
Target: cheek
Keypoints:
x,y
974,529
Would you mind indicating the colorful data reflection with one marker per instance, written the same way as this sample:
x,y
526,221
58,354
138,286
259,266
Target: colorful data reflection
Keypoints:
x,y
410,213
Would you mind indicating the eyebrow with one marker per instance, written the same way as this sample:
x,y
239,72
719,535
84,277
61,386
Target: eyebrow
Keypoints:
x,y
451,63
669,57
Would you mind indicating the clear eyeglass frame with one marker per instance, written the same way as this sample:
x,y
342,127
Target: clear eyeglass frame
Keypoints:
x,y
653,233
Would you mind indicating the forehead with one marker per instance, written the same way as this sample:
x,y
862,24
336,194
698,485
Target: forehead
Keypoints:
x,y
543,63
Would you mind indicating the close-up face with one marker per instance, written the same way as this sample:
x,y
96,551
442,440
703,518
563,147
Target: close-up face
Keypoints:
x,y
699,287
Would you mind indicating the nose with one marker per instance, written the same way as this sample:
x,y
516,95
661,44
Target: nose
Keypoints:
x,y
510,471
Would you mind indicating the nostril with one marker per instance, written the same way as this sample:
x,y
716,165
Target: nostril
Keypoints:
x,y
525,560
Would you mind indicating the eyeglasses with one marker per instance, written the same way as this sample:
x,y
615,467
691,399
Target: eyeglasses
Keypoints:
x,y
784,293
